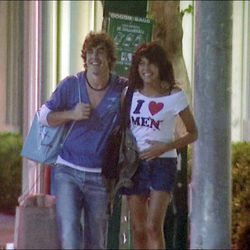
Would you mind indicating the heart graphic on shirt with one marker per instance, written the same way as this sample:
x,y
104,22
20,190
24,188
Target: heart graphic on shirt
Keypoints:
x,y
154,107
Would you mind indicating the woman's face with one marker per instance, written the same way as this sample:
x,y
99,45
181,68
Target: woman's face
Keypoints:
x,y
149,72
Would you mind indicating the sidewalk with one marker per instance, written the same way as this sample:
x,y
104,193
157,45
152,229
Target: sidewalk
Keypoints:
x,y
7,223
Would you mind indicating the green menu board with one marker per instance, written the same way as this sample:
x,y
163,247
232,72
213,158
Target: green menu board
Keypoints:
x,y
128,32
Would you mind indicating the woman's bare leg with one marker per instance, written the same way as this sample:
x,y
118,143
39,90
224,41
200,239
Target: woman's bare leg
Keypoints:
x,y
158,204
138,206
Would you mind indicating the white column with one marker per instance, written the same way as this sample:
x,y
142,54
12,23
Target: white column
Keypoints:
x,y
49,43
64,39
31,76
3,62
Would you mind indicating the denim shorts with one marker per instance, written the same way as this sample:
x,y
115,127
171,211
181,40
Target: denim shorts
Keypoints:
x,y
158,174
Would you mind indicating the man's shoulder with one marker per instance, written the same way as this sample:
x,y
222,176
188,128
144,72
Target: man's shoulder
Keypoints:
x,y
77,76
68,80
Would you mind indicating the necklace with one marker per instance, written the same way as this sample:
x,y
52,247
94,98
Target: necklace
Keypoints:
x,y
95,89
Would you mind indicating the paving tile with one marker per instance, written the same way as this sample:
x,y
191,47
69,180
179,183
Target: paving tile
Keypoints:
x,y
7,223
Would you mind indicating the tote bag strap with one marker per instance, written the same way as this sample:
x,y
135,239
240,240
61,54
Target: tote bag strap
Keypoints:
x,y
73,123
126,106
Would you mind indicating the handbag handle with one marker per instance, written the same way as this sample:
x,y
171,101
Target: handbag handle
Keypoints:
x,y
73,123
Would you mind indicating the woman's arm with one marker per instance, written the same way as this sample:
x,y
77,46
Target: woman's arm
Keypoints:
x,y
157,148
191,129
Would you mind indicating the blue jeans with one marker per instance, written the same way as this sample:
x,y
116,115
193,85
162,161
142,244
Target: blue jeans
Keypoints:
x,y
81,196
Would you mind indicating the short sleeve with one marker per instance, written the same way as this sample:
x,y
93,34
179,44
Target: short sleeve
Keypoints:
x,y
65,96
181,102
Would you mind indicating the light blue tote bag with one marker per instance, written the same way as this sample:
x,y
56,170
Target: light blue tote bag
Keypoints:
x,y
43,143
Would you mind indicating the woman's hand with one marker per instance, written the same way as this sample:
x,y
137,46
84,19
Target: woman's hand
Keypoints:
x,y
156,149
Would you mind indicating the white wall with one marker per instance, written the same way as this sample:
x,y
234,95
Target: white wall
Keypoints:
x,y
237,77
77,19
240,89
188,39
246,73
240,72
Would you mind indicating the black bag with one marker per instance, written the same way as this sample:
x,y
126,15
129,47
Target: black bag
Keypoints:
x,y
112,153
121,156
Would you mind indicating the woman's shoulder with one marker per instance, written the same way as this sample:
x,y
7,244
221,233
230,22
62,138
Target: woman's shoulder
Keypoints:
x,y
176,89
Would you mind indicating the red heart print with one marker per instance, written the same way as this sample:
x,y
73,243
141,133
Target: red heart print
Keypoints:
x,y
155,107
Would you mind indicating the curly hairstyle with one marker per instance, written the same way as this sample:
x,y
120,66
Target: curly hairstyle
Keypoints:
x,y
156,55
93,39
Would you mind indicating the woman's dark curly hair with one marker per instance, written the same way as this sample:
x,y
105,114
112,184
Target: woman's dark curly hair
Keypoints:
x,y
156,55
93,39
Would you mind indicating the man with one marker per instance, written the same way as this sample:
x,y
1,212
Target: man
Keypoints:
x,y
80,188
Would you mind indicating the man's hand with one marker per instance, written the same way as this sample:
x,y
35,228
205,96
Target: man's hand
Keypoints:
x,y
81,111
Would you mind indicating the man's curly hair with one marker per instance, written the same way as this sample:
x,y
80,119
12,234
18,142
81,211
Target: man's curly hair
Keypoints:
x,y
93,39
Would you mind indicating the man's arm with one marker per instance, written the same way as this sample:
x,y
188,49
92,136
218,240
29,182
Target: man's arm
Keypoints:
x,y
56,118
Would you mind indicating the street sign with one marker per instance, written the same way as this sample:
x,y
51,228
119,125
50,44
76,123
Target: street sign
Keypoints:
x,y
128,32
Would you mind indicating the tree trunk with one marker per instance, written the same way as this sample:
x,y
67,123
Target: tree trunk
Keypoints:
x,y
168,31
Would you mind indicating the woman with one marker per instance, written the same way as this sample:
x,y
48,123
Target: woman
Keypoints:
x,y
156,103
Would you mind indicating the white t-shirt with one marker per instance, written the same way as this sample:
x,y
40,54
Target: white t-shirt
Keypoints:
x,y
153,118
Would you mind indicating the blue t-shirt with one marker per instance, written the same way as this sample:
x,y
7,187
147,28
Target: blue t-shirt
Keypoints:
x,y
85,145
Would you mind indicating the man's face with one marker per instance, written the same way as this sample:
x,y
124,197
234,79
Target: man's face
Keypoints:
x,y
97,60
